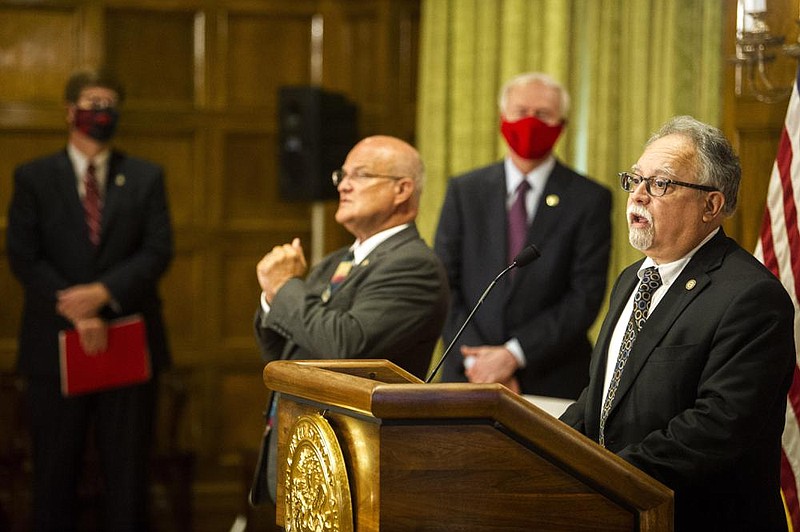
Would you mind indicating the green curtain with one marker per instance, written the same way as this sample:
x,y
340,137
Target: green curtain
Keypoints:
x,y
629,65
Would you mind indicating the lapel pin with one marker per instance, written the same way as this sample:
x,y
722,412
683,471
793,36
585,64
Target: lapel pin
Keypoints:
x,y
552,200
364,262
691,283
119,180
326,295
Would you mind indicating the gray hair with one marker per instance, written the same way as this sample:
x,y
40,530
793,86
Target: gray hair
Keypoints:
x,y
716,162
534,77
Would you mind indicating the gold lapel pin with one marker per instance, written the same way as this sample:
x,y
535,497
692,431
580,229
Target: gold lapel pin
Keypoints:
x,y
119,180
691,283
552,200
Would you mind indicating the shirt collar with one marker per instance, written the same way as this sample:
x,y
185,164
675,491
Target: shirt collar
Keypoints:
x,y
362,249
537,178
80,162
671,270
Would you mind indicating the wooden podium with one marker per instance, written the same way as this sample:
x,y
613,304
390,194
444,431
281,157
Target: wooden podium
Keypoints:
x,y
463,457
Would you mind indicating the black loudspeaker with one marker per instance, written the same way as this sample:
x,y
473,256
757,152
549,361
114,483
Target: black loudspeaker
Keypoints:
x,y
317,130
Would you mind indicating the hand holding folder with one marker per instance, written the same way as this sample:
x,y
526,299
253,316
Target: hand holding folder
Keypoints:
x,y
124,362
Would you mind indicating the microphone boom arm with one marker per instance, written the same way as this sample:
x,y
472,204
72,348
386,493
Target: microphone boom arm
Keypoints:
x,y
469,318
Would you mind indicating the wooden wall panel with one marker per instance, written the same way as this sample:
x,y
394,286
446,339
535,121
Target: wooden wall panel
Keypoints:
x,y
39,47
239,298
153,54
202,78
265,51
243,424
184,304
250,174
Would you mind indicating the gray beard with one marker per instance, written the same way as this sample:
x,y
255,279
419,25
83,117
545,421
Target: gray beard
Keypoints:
x,y
641,239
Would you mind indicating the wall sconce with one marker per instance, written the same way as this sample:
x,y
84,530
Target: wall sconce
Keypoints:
x,y
756,49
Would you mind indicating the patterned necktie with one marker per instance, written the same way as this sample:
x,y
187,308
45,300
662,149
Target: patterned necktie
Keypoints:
x,y
91,204
341,273
651,280
518,222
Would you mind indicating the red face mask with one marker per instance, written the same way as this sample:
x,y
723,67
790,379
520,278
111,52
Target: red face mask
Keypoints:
x,y
529,137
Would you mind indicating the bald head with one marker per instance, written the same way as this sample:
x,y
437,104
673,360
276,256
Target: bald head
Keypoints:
x,y
383,179
397,156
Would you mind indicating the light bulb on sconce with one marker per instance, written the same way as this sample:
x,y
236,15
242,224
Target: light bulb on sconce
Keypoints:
x,y
756,50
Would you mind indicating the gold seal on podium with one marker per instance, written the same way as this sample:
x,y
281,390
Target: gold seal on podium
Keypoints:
x,y
317,493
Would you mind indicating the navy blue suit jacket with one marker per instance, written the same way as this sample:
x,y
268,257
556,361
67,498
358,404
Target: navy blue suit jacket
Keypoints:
x,y
49,250
550,304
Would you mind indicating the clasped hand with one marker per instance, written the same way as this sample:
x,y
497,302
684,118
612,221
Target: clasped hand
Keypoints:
x,y
279,265
81,305
490,363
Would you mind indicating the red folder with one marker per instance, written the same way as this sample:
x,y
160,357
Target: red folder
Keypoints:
x,y
126,360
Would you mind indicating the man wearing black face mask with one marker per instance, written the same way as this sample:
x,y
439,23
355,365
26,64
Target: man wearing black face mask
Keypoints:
x,y
89,236
531,332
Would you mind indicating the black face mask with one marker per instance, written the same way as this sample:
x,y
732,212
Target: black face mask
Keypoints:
x,y
100,124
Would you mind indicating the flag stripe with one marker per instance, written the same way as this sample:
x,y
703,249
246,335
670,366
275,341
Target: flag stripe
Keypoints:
x,y
779,249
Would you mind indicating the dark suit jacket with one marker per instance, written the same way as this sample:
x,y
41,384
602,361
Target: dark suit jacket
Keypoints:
x,y
550,304
391,306
702,399
49,250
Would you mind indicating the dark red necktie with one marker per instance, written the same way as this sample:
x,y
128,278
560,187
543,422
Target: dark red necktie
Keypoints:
x,y
518,222
91,204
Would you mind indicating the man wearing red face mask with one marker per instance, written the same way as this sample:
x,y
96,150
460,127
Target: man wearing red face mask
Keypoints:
x,y
531,331
89,237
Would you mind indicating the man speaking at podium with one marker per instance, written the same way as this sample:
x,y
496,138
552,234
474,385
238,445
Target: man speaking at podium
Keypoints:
x,y
690,371
385,296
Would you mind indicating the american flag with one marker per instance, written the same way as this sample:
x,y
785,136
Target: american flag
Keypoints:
x,y
779,249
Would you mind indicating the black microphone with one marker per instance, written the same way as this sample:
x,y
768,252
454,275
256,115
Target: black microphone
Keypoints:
x,y
528,254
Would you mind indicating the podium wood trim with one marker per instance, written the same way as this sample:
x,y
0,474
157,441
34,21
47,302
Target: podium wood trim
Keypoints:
x,y
408,433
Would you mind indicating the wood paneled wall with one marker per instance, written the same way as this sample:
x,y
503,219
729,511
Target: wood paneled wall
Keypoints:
x,y
754,127
202,78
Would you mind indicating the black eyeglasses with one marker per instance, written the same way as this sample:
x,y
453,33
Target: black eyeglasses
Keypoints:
x,y
339,175
655,186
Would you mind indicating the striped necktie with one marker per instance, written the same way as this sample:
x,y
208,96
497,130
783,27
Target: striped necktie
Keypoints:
x,y
518,222
91,204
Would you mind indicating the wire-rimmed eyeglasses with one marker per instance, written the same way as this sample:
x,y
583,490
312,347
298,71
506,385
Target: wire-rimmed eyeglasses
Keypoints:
x,y
655,186
339,175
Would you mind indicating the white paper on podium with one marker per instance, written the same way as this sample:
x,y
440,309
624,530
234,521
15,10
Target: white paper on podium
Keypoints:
x,y
554,406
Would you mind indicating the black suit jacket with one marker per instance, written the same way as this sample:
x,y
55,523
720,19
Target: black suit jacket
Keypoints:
x,y
550,304
49,250
702,399
392,305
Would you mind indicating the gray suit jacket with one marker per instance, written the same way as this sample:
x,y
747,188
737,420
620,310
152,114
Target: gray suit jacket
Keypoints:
x,y
391,306
702,398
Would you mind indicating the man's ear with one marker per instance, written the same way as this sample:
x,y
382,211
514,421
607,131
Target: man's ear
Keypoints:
x,y
69,113
714,203
405,189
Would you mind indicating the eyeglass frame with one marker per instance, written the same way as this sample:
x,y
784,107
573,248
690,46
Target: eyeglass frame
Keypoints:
x,y
647,180
339,175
